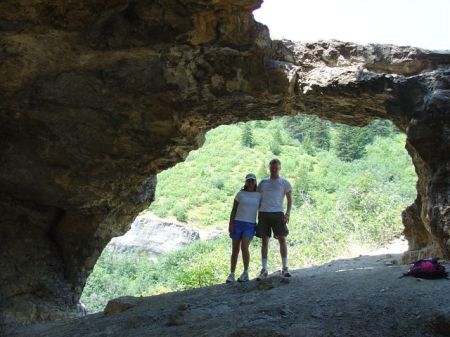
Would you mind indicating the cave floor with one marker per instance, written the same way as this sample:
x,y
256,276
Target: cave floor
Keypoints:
x,y
361,296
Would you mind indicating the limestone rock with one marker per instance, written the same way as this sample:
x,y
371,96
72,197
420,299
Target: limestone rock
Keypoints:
x,y
154,236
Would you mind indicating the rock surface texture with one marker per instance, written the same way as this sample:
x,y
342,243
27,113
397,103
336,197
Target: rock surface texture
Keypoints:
x,y
360,297
153,236
97,97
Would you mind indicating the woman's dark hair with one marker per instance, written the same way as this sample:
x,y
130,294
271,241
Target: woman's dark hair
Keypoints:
x,y
244,188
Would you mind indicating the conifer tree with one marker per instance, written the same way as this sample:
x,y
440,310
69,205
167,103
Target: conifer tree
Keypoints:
x,y
277,141
247,136
350,143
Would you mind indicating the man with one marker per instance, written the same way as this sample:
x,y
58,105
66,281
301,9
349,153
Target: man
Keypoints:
x,y
271,216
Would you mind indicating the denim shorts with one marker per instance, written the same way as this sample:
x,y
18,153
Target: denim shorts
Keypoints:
x,y
243,228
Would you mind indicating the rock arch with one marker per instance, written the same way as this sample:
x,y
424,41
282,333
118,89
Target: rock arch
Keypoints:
x,y
97,97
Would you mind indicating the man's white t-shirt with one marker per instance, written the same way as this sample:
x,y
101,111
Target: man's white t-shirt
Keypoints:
x,y
248,206
272,194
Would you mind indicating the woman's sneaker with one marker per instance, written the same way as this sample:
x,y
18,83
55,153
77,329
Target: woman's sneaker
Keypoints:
x,y
230,278
262,275
285,272
243,277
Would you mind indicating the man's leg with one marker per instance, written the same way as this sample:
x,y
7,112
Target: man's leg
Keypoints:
x,y
264,232
280,232
283,250
264,251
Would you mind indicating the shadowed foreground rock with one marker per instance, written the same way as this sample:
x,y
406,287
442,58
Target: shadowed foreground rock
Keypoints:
x,y
360,297
97,97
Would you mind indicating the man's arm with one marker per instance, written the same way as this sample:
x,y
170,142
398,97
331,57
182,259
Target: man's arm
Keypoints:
x,y
289,206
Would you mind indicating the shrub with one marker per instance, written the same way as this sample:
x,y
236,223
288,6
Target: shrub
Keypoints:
x,y
218,182
180,213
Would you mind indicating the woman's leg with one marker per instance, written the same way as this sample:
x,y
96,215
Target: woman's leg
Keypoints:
x,y
234,254
245,243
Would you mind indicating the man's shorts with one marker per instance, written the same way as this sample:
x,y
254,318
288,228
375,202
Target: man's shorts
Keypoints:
x,y
271,221
243,228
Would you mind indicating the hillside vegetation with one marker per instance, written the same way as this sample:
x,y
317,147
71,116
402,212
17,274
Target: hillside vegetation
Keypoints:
x,y
349,187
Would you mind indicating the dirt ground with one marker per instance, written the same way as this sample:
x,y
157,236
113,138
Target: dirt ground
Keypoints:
x,y
361,296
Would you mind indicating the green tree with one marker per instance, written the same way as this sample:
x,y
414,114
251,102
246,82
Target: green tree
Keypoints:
x,y
320,135
351,142
311,130
260,124
294,125
277,137
303,184
275,148
276,142
381,128
247,136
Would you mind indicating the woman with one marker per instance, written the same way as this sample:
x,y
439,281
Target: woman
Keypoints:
x,y
242,224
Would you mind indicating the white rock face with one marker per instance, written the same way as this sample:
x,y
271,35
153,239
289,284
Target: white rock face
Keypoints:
x,y
154,236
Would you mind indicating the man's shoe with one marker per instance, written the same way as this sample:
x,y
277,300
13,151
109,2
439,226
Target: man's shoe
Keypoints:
x,y
230,278
262,275
243,277
285,272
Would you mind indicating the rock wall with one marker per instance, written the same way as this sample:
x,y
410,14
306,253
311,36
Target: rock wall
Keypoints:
x,y
153,236
97,97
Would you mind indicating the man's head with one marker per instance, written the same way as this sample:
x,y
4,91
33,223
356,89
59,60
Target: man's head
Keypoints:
x,y
274,168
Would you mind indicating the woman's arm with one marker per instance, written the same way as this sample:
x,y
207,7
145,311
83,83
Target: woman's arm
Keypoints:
x,y
232,215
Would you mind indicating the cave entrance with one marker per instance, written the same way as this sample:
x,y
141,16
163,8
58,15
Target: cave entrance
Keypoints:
x,y
105,97
350,185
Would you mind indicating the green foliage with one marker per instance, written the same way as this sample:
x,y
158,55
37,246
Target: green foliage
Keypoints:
x,y
277,137
313,132
180,213
218,182
247,136
277,141
351,142
263,170
202,188
260,124
381,128
303,184
275,148
337,201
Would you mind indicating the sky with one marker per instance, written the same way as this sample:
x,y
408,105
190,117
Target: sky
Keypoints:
x,y
418,23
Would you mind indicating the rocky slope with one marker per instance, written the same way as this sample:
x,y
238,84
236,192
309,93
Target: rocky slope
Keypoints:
x,y
354,297
99,96
153,236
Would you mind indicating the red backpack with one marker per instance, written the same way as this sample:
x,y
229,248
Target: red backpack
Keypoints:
x,y
427,268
